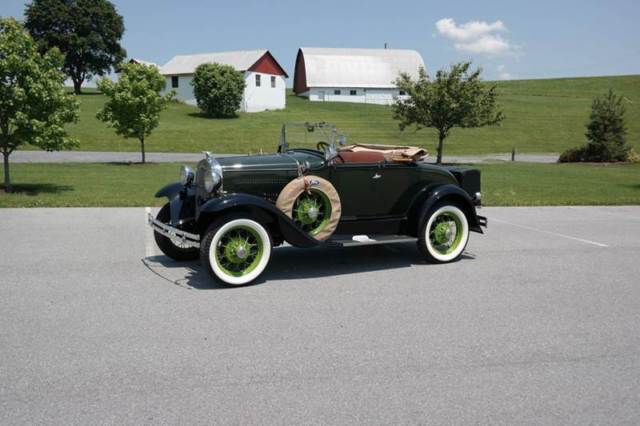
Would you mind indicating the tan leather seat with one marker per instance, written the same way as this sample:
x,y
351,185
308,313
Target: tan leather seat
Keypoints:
x,y
359,157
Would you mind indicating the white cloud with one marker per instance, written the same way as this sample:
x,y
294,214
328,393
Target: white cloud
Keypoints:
x,y
502,73
478,37
468,31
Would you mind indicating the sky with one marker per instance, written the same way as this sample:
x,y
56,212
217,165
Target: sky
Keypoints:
x,y
508,39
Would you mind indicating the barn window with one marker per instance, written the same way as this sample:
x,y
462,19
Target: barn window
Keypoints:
x,y
273,81
353,92
174,81
402,93
337,92
257,80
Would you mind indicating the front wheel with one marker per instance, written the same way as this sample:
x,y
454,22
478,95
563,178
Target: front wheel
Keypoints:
x,y
236,250
444,233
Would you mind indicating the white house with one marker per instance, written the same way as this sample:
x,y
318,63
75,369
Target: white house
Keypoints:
x,y
264,77
353,75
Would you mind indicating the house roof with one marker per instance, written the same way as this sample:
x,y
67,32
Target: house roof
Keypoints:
x,y
241,60
369,68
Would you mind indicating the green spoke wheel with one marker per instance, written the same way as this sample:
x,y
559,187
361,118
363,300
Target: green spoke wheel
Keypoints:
x,y
312,211
236,250
444,233
239,251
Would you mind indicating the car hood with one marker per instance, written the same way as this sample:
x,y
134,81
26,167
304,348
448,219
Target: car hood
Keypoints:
x,y
287,161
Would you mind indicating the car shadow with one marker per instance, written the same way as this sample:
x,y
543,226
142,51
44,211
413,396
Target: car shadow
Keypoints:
x,y
290,263
133,163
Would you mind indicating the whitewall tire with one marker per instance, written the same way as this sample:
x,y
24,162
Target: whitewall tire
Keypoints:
x,y
444,233
236,250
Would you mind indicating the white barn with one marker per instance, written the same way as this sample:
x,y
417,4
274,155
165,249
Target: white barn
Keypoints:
x,y
264,77
353,75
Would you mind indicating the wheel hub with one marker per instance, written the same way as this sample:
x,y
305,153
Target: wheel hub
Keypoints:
x,y
308,211
443,233
313,213
242,252
236,251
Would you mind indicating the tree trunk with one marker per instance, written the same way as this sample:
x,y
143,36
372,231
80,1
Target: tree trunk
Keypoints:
x,y
441,137
142,149
77,86
7,177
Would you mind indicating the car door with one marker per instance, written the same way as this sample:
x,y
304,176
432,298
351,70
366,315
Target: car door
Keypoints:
x,y
372,189
356,185
392,188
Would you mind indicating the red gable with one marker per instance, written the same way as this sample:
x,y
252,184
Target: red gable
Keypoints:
x,y
268,65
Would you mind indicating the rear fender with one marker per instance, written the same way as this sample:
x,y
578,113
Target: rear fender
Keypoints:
x,y
451,193
264,212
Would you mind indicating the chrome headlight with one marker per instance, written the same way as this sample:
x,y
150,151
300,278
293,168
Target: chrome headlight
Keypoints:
x,y
211,180
186,175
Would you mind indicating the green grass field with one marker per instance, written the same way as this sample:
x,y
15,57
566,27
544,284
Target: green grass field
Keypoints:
x,y
508,184
541,116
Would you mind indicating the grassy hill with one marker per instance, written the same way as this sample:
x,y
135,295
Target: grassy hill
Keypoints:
x,y
541,116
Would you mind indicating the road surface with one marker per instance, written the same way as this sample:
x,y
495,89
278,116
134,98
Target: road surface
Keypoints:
x,y
539,323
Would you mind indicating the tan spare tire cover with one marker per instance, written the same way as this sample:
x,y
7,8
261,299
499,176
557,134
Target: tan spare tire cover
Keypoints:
x,y
313,185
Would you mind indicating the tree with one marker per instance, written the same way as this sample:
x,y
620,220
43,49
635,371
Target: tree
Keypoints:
x,y
218,89
134,102
34,105
606,133
455,98
87,32
606,130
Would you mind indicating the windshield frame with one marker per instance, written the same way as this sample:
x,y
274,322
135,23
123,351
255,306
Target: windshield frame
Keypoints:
x,y
329,134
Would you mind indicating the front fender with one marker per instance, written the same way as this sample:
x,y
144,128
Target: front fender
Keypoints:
x,y
181,208
451,193
170,190
262,209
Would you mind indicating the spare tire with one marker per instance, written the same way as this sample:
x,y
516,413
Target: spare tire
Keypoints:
x,y
313,204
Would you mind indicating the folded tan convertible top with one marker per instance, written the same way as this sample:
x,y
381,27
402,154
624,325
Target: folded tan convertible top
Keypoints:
x,y
403,154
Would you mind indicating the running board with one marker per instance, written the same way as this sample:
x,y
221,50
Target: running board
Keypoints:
x,y
366,240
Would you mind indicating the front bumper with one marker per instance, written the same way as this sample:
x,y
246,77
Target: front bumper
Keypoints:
x,y
185,239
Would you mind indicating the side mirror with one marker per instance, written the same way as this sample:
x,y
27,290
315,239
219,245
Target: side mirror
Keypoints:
x,y
342,139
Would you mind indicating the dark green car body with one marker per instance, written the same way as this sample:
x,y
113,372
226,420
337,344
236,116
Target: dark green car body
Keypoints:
x,y
383,198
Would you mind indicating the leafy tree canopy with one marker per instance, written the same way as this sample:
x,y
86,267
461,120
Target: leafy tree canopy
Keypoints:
x,y
134,102
218,89
34,105
87,32
454,98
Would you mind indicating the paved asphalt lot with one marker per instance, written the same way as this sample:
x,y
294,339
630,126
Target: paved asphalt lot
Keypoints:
x,y
539,323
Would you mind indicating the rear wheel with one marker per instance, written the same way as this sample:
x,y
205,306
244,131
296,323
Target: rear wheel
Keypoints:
x,y
172,247
236,250
444,233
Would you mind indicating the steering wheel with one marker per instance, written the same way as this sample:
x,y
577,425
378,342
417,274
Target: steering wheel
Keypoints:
x,y
322,146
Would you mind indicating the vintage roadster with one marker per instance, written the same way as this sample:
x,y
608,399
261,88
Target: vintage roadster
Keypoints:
x,y
232,211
